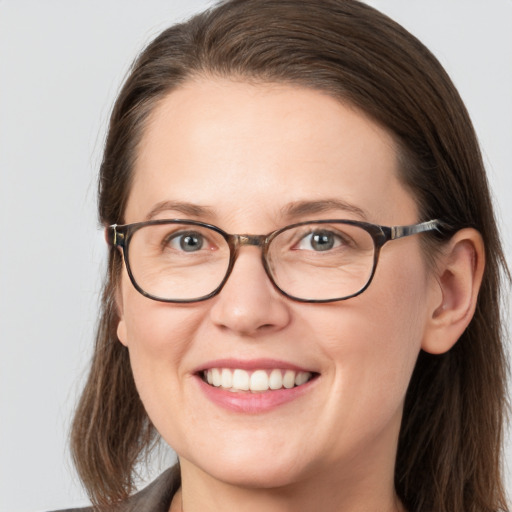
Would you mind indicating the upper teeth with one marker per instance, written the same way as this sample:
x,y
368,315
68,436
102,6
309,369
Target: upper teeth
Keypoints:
x,y
258,380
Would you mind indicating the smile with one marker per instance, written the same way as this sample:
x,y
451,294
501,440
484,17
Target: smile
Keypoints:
x,y
257,381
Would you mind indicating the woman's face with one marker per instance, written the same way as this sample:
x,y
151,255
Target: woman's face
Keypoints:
x,y
252,159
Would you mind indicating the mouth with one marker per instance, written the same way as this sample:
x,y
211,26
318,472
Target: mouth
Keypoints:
x,y
254,386
238,380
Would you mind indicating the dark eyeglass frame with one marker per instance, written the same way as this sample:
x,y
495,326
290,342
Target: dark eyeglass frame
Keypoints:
x,y
120,236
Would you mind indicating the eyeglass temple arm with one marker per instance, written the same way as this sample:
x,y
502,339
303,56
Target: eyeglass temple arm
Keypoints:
x,y
113,236
401,231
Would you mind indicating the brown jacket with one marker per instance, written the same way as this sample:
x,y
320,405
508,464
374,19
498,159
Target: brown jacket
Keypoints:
x,y
156,497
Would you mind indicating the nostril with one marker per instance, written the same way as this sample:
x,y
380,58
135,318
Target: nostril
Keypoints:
x,y
249,317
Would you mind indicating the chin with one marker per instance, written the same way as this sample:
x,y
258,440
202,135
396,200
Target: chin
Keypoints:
x,y
264,477
252,470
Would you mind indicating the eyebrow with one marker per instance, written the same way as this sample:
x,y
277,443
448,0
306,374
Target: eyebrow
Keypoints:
x,y
290,211
190,209
301,208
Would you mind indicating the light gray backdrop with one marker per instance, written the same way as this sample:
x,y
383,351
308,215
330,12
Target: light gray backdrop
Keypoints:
x,y
61,63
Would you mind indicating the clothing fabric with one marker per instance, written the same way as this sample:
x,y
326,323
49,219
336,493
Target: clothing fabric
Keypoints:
x,y
156,497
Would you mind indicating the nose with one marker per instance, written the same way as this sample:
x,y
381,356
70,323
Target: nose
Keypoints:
x,y
248,304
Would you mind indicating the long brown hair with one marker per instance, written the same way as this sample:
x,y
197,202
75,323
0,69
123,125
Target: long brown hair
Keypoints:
x,y
449,449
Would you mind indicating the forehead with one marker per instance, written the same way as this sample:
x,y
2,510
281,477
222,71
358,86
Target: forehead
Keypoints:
x,y
255,148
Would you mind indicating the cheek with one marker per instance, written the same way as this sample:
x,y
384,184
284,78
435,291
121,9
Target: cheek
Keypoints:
x,y
374,339
373,351
150,326
157,336
396,318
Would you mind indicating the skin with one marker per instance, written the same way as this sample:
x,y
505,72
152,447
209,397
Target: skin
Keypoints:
x,y
246,152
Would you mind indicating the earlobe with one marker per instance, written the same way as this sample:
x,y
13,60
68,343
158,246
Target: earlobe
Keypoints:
x,y
459,274
121,332
121,326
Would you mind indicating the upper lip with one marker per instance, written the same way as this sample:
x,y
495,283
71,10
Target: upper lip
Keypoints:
x,y
251,365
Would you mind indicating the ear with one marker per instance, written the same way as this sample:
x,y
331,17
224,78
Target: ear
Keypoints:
x,y
118,296
458,272
106,235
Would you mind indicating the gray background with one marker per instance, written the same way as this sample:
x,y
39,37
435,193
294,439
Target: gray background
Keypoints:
x,y
61,63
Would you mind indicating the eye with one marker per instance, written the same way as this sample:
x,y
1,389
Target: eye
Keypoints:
x,y
320,240
190,241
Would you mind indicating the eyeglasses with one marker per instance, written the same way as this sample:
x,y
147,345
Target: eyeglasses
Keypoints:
x,y
314,261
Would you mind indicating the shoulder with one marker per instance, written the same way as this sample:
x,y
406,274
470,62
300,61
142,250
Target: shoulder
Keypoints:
x,y
156,497
84,509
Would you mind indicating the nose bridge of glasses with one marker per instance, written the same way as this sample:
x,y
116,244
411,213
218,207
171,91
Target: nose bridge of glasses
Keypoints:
x,y
255,240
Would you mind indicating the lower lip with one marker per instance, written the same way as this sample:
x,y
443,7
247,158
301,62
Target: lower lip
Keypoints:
x,y
252,403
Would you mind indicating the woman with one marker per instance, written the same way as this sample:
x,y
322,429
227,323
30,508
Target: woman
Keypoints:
x,y
341,351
